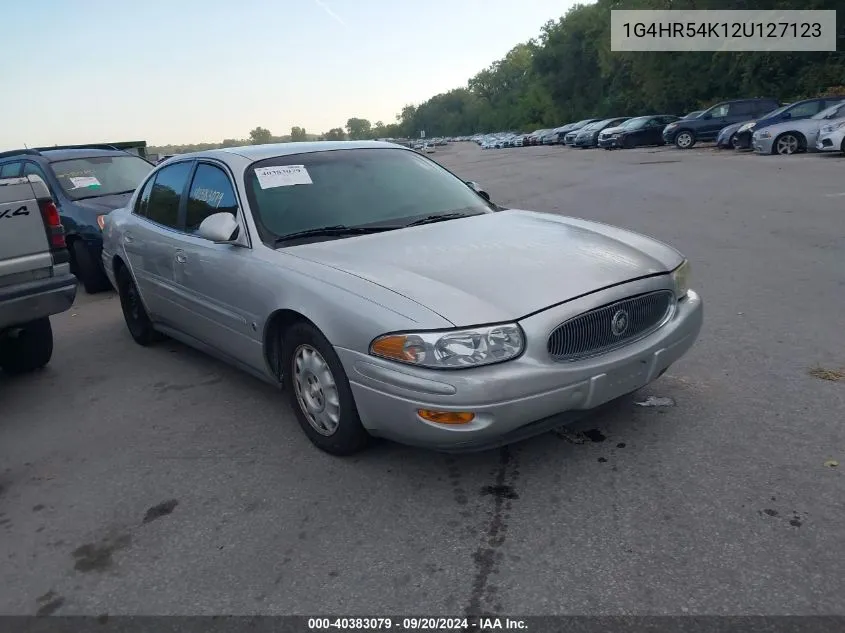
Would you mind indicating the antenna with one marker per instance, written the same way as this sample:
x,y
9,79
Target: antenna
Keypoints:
x,y
25,146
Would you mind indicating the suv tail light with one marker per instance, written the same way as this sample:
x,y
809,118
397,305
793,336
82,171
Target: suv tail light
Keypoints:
x,y
55,231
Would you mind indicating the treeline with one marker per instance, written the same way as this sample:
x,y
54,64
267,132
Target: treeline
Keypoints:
x,y
569,72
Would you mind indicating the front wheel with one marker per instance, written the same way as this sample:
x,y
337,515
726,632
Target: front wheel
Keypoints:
x,y
787,144
25,348
87,270
684,140
319,392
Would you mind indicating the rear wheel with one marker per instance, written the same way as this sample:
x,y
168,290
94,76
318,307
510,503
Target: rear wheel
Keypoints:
x,y
733,142
137,320
91,275
319,392
25,348
684,139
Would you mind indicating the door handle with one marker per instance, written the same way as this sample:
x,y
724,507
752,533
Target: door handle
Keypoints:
x,y
181,257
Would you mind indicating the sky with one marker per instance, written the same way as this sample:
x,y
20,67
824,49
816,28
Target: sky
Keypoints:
x,y
190,71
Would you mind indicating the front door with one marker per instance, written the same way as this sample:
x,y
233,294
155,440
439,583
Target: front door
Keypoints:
x,y
220,307
719,118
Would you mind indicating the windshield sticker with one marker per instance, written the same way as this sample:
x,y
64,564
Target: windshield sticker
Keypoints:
x,y
85,182
209,196
282,176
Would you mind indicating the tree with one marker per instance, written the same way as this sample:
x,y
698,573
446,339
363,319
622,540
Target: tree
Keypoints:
x,y
335,134
260,136
298,134
358,129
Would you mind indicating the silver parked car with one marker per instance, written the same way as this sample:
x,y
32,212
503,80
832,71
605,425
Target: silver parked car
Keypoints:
x,y
789,137
393,299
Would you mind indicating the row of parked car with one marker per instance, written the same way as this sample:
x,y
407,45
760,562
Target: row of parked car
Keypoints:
x,y
761,124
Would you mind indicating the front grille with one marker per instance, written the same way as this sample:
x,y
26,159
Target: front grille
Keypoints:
x,y
611,326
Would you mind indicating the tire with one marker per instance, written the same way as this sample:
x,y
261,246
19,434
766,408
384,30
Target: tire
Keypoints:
x,y
733,142
137,320
91,275
787,144
314,377
684,139
26,348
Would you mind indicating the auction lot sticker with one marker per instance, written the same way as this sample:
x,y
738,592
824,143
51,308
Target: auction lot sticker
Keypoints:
x,y
282,176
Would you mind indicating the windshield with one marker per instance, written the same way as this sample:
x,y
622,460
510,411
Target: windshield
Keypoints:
x,y
775,112
357,187
830,112
592,126
636,124
100,175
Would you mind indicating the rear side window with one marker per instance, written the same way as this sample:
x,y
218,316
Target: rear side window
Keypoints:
x,y
31,169
744,108
10,170
211,192
166,194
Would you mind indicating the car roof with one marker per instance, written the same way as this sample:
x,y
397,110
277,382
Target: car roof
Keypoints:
x,y
54,155
273,150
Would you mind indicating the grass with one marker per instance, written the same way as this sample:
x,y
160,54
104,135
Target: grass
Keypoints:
x,y
833,375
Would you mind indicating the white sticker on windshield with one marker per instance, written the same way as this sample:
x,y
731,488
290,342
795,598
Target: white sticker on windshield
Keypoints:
x,y
81,182
283,176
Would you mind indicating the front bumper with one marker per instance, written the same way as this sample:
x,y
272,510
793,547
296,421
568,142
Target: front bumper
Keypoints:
x,y
743,140
24,302
762,145
830,142
607,142
519,398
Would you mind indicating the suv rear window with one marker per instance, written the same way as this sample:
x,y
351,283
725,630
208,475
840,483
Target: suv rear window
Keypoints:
x,y
98,176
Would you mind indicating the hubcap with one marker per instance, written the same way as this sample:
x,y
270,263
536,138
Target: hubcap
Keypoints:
x,y
316,390
684,140
787,144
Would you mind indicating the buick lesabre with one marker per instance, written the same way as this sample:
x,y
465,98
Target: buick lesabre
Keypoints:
x,y
390,298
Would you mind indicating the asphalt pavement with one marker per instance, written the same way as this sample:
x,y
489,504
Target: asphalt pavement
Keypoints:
x,y
160,481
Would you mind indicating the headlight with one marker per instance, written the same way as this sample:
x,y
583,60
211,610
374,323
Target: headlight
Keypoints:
x,y
764,134
680,277
834,126
456,349
671,126
746,127
101,221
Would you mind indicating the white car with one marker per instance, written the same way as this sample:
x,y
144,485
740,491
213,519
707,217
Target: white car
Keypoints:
x,y
832,137
429,148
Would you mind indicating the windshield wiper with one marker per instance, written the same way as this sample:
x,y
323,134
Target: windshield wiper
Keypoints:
x,y
440,217
338,230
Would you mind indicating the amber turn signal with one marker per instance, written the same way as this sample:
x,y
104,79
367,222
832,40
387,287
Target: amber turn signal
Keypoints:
x,y
446,417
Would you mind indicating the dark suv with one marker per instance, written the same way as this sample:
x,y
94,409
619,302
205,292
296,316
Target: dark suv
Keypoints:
x,y
86,183
706,126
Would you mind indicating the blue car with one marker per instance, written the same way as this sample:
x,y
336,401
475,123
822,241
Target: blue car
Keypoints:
x,y
87,183
791,111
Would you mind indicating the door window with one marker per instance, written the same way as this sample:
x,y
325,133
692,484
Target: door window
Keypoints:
x,y
166,194
743,108
211,192
10,170
720,110
804,110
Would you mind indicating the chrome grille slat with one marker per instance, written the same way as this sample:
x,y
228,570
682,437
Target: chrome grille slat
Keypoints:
x,y
591,333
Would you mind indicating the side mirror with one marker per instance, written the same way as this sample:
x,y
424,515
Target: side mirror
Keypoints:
x,y
220,228
477,188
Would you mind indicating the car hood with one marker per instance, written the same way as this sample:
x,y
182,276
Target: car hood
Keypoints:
x,y
104,204
496,267
611,130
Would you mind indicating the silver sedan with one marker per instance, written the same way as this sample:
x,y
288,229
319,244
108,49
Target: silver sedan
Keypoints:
x,y
790,137
393,299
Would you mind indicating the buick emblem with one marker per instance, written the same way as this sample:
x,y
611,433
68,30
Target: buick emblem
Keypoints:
x,y
619,323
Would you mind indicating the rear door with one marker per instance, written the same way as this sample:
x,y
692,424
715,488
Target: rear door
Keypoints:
x,y
151,242
24,249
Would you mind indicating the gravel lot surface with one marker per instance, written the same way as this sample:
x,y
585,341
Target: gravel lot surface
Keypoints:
x,y
159,481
